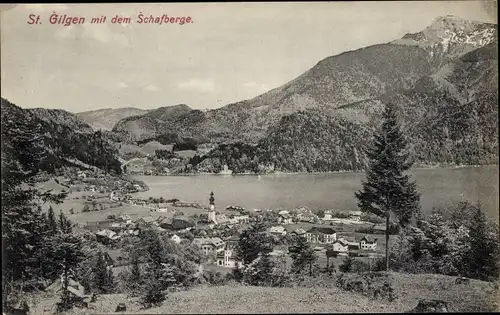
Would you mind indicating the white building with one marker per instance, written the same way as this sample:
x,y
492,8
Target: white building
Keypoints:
x,y
210,245
277,230
228,259
176,238
340,246
321,235
328,216
368,243
285,219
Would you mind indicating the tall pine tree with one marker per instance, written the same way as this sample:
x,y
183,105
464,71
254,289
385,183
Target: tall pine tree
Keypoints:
x,y
23,224
263,270
153,245
52,222
68,253
104,281
302,255
153,294
134,280
253,241
387,190
482,259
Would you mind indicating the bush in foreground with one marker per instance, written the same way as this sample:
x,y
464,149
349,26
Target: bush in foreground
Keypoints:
x,y
371,284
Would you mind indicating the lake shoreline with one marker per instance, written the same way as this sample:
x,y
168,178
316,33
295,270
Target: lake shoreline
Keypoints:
x,y
439,188
420,168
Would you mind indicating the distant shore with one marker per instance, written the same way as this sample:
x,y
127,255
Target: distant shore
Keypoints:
x,y
420,167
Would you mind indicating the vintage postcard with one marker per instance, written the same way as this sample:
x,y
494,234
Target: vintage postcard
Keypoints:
x,y
301,157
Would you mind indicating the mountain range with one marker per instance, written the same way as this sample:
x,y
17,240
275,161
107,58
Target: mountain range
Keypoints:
x,y
443,79
107,118
50,139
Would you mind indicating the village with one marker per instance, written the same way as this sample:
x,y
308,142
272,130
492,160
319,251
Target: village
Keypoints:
x,y
216,229
111,213
107,209
217,234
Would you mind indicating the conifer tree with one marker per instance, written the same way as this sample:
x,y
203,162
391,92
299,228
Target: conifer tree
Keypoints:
x,y
153,294
64,223
387,191
237,273
135,272
252,242
153,246
482,260
134,280
263,270
302,255
68,254
51,221
168,276
104,281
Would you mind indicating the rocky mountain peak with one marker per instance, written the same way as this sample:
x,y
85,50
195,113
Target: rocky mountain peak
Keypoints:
x,y
451,36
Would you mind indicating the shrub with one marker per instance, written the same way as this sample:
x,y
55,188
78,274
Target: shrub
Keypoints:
x,y
152,290
359,266
374,285
345,266
354,265
153,295
215,278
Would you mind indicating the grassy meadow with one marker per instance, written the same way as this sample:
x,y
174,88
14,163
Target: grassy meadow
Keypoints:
x,y
321,296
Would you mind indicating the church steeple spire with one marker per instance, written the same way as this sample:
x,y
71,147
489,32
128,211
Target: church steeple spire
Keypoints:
x,y
212,199
211,210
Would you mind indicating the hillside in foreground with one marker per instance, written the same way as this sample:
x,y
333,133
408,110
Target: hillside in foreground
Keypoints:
x,y
323,296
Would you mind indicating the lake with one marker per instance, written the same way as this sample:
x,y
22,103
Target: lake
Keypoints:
x,y
439,187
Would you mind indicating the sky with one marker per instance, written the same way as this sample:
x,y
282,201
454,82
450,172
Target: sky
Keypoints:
x,y
228,53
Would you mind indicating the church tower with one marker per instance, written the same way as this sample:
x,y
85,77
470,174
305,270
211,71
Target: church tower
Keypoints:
x,y
211,211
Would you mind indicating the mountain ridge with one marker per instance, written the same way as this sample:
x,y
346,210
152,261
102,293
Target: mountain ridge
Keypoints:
x,y
106,118
59,140
336,81
426,73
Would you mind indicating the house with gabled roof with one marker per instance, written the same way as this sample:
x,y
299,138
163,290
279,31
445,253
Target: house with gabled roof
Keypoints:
x,y
176,224
324,235
74,287
99,225
351,242
285,218
298,232
327,216
307,217
221,219
209,245
283,212
277,230
106,236
145,222
241,218
368,243
340,246
227,258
